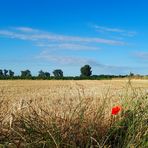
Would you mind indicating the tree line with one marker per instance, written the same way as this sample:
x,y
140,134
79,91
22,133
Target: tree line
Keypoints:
x,y
7,74
86,73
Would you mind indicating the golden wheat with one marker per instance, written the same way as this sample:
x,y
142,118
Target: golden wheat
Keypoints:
x,y
75,107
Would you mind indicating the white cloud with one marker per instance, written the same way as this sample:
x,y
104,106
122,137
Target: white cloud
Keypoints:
x,y
115,30
142,55
11,34
66,60
80,61
25,33
67,46
26,29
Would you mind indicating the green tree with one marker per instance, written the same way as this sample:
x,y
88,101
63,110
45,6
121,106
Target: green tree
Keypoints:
x,y
26,73
58,73
86,71
1,73
11,73
47,74
131,74
43,74
5,72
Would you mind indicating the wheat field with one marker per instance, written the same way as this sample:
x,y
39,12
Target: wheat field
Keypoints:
x,y
42,113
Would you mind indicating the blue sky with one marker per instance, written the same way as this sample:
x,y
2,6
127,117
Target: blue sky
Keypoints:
x,y
110,35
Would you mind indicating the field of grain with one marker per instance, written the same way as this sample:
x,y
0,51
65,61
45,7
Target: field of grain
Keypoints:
x,y
43,113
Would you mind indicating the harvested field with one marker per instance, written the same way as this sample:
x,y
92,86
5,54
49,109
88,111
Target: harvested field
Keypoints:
x,y
73,113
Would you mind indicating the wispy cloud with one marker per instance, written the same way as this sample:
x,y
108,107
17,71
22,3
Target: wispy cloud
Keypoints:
x,y
80,61
142,55
66,60
14,35
26,29
115,30
24,33
67,46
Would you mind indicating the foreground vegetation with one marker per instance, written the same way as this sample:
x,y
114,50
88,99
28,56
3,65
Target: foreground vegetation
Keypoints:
x,y
71,114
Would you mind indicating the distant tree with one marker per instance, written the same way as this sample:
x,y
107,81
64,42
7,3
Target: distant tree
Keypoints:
x,y
58,73
43,74
26,73
86,71
5,72
131,74
47,74
11,73
1,73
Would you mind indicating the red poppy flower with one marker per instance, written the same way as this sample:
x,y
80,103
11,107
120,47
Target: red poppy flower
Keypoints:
x,y
116,110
